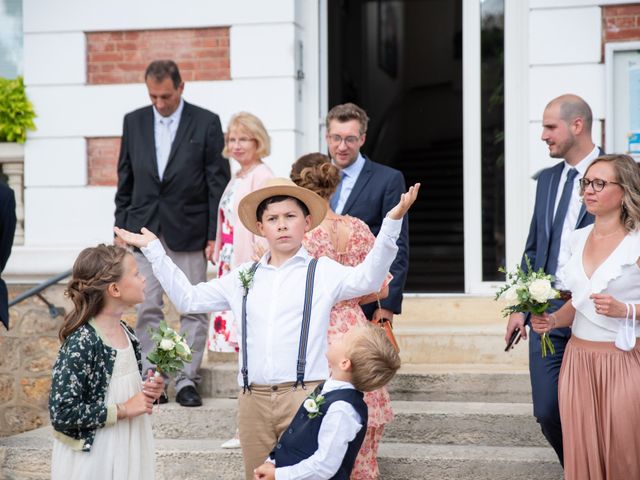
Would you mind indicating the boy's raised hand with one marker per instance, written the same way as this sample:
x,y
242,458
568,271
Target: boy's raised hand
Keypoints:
x,y
135,239
406,200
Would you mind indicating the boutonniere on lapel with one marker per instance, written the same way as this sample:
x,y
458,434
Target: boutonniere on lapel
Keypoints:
x,y
246,279
312,405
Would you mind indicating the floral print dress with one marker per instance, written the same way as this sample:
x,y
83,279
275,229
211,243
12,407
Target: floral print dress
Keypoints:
x,y
346,315
222,326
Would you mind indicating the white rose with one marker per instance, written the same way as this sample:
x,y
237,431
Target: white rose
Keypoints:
x,y
310,405
541,290
167,344
187,350
511,296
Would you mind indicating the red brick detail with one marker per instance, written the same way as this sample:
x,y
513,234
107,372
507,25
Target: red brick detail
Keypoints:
x,y
122,57
621,23
102,160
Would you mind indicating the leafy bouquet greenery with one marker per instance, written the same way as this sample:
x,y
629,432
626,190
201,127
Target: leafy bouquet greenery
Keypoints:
x,y
528,292
171,350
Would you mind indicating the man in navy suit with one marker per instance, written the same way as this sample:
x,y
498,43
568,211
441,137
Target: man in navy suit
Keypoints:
x,y
368,190
7,231
558,211
171,175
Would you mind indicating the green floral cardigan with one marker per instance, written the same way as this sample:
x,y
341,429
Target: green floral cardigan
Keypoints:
x,y
81,376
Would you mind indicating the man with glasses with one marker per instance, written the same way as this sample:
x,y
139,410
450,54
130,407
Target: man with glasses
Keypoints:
x,y
558,211
367,191
171,175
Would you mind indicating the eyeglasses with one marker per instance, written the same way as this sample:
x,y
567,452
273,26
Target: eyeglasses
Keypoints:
x,y
243,141
351,140
597,184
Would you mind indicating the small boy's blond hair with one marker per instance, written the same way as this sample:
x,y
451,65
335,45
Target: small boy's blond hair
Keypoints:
x,y
374,361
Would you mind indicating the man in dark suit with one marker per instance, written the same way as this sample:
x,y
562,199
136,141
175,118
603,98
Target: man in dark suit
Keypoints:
x,y
171,175
558,211
367,190
7,231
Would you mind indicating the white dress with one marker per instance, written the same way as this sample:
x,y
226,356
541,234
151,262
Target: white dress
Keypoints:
x,y
123,451
618,275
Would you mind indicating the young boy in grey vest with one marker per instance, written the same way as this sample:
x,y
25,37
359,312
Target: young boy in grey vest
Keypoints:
x,y
326,433
283,302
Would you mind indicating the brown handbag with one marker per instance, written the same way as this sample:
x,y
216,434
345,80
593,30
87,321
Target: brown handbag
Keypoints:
x,y
387,326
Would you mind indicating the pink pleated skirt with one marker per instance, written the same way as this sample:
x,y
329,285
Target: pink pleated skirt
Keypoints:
x,y
599,395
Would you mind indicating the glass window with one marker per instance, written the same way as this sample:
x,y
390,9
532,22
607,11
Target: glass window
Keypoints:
x,y
492,111
10,38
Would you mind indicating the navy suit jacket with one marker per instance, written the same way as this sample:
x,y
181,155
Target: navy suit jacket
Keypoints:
x,y
183,206
537,247
7,231
376,191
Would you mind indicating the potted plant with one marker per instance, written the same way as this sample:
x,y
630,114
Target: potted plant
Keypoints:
x,y
16,111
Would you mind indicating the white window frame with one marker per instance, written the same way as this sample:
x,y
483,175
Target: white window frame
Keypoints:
x,y
516,98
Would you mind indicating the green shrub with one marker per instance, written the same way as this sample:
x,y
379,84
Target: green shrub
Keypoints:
x,y
16,111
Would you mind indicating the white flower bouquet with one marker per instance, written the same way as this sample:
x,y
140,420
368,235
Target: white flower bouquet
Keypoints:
x,y
528,292
171,350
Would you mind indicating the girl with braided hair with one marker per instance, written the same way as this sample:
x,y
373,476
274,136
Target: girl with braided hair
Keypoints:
x,y
98,401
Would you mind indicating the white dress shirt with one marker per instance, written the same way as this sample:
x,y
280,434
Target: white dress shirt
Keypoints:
x,y
340,425
275,303
573,211
349,178
163,147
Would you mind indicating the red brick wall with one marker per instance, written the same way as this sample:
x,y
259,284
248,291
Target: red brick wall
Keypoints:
x,y
621,23
122,57
102,160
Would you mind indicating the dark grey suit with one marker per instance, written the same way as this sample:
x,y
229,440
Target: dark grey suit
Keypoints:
x,y
7,231
181,209
377,190
545,371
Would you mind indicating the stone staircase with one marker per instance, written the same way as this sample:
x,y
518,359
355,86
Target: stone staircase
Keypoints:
x,y
462,411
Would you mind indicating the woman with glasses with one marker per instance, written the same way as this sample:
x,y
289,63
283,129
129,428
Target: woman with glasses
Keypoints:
x,y
599,384
247,142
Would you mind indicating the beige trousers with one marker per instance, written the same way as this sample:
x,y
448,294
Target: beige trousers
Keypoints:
x,y
263,415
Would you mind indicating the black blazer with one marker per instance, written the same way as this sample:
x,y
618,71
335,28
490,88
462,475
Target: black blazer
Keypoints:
x,y
183,206
376,191
7,231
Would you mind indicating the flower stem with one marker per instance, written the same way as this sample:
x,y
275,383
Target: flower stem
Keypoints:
x,y
547,345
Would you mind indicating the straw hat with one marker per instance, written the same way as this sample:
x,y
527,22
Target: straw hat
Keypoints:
x,y
247,209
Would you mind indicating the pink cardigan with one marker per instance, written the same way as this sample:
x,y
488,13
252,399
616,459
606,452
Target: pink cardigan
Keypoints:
x,y
243,239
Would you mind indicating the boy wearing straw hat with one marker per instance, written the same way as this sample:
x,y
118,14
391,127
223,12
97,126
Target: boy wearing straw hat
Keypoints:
x,y
283,301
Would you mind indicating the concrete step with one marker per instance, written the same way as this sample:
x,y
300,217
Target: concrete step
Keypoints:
x,y
438,382
454,423
28,456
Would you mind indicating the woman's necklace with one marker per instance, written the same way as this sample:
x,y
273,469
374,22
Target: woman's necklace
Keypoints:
x,y
599,236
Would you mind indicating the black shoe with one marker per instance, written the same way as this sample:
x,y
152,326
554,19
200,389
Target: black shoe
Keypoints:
x,y
189,397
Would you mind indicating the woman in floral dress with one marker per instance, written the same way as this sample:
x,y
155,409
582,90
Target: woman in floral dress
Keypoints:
x,y
347,240
247,142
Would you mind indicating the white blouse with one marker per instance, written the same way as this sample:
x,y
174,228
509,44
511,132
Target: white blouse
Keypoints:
x,y
618,276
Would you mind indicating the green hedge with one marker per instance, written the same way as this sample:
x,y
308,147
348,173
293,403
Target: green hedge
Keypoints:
x,y
16,111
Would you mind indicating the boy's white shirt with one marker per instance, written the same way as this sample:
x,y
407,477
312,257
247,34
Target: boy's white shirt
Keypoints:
x,y
340,426
275,303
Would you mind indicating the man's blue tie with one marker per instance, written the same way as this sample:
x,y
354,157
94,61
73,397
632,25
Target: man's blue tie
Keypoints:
x,y
558,222
335,199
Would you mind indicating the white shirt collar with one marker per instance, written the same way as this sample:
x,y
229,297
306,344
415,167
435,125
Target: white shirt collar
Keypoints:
x,y
300,255
175,116
583,164
331,384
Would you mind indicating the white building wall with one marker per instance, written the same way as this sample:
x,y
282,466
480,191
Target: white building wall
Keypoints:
x,y
62,213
